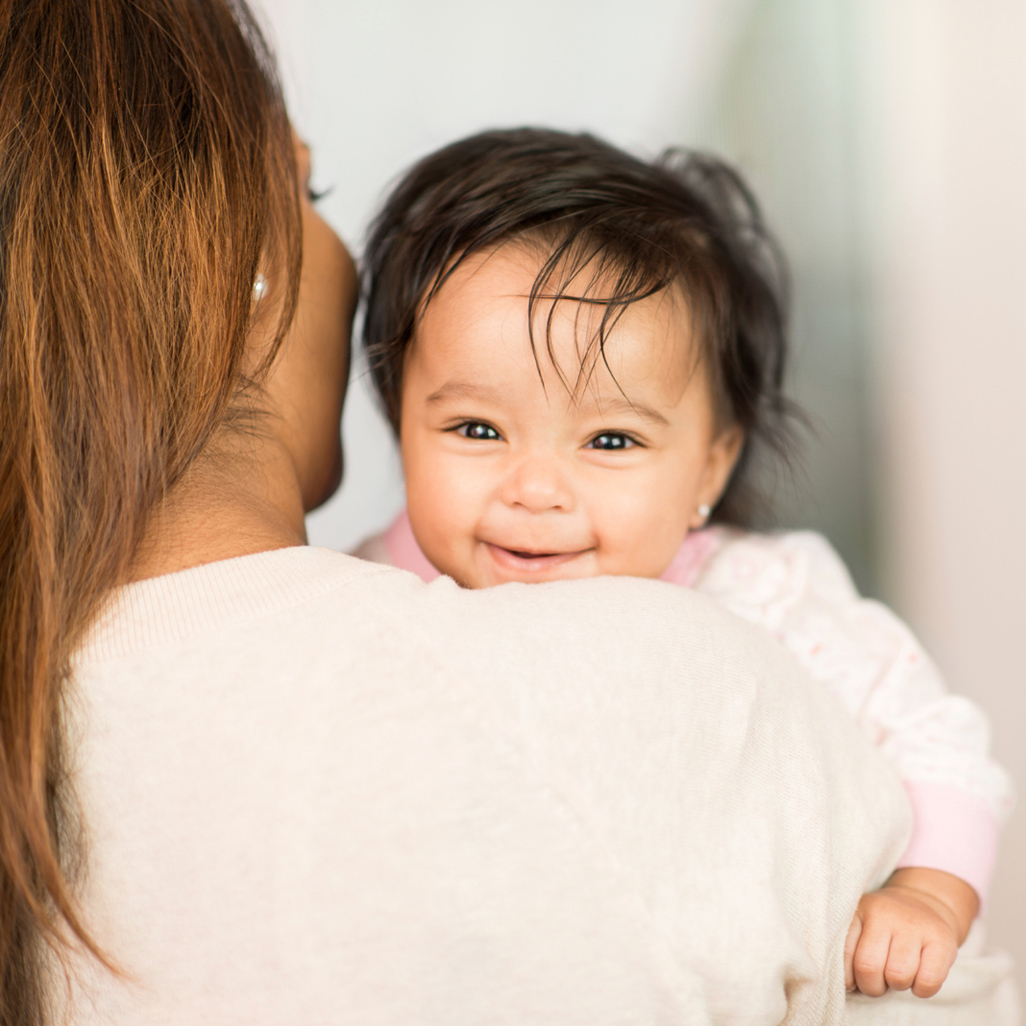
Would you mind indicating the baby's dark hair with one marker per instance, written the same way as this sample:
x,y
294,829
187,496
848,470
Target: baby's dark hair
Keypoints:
x,y
635,228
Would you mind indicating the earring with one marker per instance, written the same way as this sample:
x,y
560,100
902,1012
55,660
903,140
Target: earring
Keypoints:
x,y
259,288
704,511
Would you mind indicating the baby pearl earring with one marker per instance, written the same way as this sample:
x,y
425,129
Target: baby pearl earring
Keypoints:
x,y
704,511
259,288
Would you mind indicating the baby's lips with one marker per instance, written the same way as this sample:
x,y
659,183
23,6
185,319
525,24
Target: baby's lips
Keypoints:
x,y
537,552
531,563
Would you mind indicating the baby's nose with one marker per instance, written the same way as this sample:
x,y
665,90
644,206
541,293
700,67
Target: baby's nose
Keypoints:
x,y
538,485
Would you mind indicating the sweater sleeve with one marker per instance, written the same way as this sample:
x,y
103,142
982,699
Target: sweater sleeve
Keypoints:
x,y
796,587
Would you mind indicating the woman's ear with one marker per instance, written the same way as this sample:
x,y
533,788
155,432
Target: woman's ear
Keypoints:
x,y
723,454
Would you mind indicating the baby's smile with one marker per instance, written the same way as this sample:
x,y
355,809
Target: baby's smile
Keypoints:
x,y
526,563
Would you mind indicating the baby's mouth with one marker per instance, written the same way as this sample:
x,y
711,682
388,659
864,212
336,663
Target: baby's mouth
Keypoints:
x,y
531,561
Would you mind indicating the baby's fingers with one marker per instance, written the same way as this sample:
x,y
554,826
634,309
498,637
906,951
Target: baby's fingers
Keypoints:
x,y
903,961
937,959
850,944
870,960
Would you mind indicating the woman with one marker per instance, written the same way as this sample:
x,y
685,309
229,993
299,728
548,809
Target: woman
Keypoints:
x,y
242,780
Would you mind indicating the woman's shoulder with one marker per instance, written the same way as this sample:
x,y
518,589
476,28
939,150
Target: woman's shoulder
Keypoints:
x,y
210,599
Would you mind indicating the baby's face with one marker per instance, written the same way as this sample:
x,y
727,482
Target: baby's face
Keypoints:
x,y
509,477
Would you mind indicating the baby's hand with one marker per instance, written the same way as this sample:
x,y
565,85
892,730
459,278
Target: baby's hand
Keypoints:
x,y
907,933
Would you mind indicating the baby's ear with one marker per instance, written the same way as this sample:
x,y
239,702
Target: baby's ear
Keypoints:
x,y
723,454
725,449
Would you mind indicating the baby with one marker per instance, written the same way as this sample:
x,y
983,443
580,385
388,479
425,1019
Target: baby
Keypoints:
x,y
582,355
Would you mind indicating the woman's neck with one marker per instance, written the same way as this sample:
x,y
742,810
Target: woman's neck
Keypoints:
x,y
241,498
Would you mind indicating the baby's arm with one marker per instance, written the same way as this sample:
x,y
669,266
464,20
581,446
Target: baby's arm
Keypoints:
x,y
908,933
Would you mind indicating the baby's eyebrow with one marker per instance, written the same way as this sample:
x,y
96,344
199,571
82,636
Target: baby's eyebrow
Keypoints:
x,y
465,390
621,405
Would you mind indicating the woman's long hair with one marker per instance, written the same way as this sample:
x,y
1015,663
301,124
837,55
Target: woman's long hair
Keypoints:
x,y
146,174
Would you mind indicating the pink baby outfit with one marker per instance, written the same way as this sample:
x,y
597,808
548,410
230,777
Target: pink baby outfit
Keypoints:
x,y
796,587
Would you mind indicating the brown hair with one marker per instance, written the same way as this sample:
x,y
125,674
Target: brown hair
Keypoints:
x,y
146,170
685,221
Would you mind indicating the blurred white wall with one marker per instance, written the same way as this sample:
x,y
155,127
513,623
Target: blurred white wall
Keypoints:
x,y
945,160
886,139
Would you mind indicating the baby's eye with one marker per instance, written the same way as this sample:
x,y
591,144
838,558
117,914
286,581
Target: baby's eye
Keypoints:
x,y
611,441
477,431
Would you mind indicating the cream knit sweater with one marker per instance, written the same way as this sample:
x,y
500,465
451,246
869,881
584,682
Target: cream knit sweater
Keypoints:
x,y
318,790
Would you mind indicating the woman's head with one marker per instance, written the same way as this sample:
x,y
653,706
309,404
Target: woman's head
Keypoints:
x,y
645,285
147,176
301,395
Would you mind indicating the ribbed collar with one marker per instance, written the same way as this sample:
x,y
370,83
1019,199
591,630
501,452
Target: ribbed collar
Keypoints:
x,y
176,606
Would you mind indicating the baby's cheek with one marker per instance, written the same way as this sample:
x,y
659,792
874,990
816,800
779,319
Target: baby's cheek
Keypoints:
x,y
435,526
641,535
442,519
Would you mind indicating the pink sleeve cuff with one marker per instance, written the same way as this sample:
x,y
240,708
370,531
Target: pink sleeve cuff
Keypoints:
x,y
953,831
